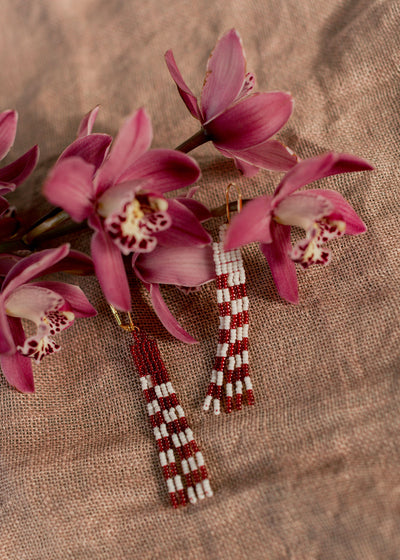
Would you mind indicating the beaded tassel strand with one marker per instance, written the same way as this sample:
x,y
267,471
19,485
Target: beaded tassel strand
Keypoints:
x,y
171,429
231,360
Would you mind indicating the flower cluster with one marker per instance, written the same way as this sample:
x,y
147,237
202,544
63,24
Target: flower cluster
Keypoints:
x,y
123,190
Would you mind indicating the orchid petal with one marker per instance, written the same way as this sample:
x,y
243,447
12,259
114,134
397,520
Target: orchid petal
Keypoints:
x,y
32,302
86,125
269,155
341,210
180,266
17,369
185,229
7,345
167,169
70,186
8,129
132,141
225,73
21,168
114,198
283,269
6,188
201,212
73,295
312,169
303,211
251,121
186,94
110,271
33,266
166,317
8,226
75,263
7,261
92,149
251,224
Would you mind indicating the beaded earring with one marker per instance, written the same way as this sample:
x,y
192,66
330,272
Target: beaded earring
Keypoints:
x,y
231,364
184,472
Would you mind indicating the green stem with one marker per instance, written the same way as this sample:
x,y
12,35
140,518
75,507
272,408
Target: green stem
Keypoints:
x,y
194,141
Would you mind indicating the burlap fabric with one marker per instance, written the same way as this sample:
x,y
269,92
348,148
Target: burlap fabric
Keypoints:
x,y
310,472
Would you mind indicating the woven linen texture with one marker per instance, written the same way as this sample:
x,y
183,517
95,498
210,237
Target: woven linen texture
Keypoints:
x,y
311,471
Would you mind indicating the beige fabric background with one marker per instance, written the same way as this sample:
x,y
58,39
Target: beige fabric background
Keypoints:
x,y
310,472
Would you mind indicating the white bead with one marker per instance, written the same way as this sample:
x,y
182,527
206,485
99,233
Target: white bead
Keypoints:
x,y
207,402
207,488
248,383
171,485
191,495
200,491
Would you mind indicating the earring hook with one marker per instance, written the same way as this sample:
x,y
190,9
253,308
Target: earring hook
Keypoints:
x,y
130,327
239,200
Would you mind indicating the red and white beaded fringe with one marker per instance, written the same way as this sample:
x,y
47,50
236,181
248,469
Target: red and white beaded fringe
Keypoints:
x,y
181,460
231,365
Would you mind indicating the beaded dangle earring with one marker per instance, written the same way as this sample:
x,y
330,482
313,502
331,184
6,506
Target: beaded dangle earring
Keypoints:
x,y
181,460
231,364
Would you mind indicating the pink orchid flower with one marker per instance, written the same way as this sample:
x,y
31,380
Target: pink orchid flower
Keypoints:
x,y
51,306
122,196
187,266
323,214
238,122
15,172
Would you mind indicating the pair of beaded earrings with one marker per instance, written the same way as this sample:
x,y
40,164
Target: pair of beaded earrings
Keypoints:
x,y
181,460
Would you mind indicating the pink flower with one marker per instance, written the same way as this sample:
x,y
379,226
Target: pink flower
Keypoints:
x,y
51,306
187,266
122,196
15,172
239,123
323,214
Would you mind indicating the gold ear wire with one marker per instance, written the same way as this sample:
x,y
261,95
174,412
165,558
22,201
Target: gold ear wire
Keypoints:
x,y
130,327
239,200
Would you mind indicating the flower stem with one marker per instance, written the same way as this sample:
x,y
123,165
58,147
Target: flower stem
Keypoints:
x,y
201,137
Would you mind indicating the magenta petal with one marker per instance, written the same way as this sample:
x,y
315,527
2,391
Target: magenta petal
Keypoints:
x,y
8,226
347,163
251,224
132,141
269,155
72,294
188,98
110,271
185,230
8,129
7,344
225,73
17,369
283,269
167,169
92,149
166,317
21,168
70,186
251,121
33,266
7,261
75,263
86,124
342,210
201,212
180,266
315,168
303,211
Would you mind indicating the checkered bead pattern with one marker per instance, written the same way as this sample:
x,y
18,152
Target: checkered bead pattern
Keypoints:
x,y
230,374
181,460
